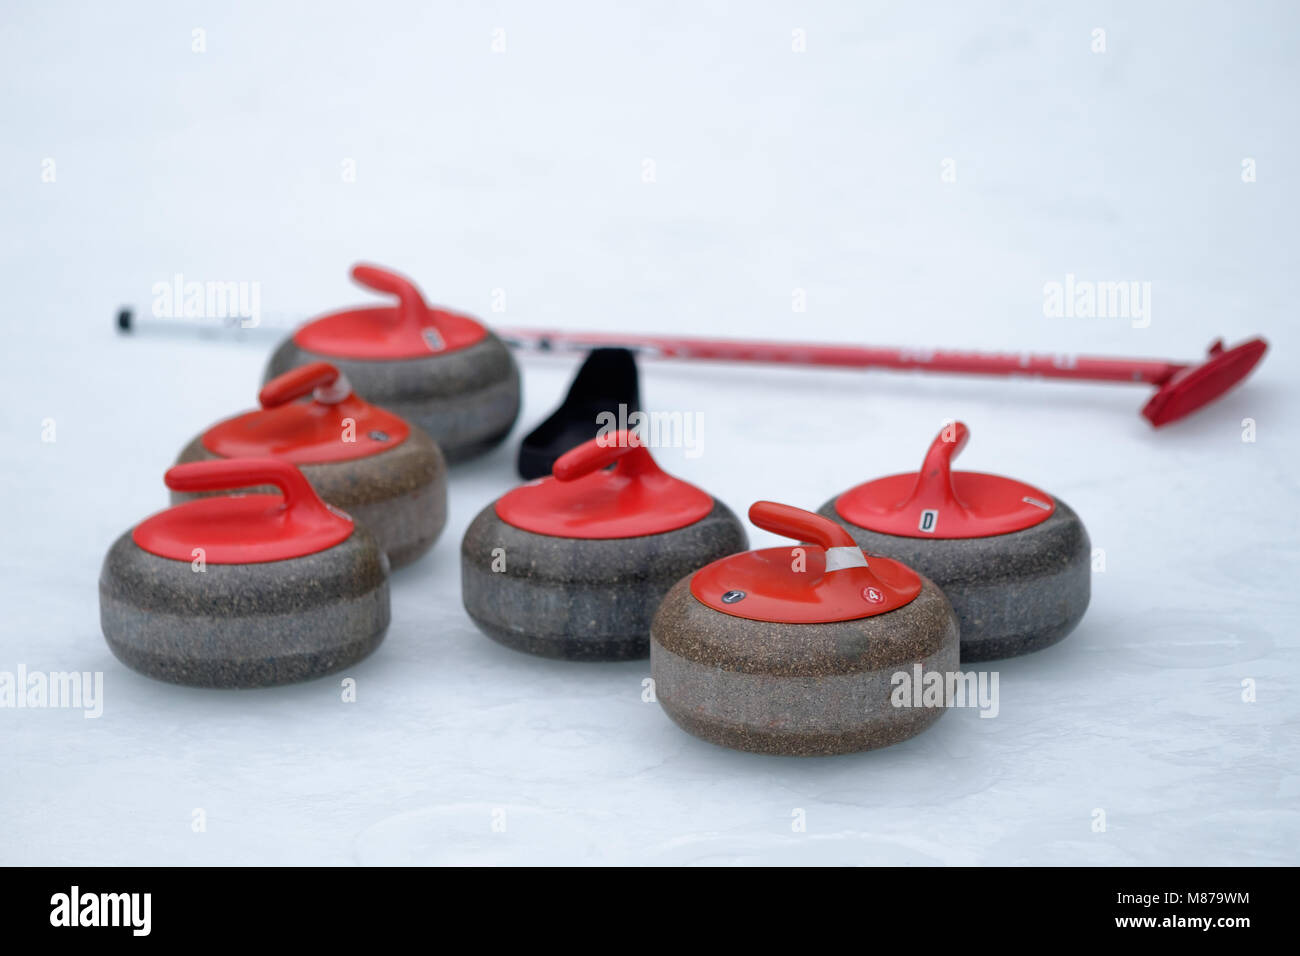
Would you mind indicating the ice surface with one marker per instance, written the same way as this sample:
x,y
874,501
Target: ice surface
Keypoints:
x,y
774,172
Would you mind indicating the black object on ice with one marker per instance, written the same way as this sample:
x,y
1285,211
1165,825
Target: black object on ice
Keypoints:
x,y
607,379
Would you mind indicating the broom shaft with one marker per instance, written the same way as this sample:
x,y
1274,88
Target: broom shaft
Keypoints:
x,y
1153,372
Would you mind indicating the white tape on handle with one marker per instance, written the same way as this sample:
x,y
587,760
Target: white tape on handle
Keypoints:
x,y
335,392
845,556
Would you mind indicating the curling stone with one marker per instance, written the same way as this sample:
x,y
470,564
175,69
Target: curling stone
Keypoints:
x,y
573,565
437,369
387,474
245,590
1014,561
797,650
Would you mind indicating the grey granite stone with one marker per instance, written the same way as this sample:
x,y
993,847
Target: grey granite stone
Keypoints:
x,y
399,495
797,689
467,399
582,599
1013,593
244,625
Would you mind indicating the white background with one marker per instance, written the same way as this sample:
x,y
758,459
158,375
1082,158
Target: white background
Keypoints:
x,y
775,171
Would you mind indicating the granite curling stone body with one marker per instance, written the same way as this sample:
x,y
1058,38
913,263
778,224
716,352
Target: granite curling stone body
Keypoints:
x,y
1014,561
435,368
798,650
573,565
244,590
384,472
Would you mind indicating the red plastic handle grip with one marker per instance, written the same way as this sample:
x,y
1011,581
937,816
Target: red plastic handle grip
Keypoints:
x,y
791,522
600,452
296,383
934,486
230,474
411,306
947,445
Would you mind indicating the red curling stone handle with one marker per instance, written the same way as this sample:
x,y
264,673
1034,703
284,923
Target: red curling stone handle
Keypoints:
x,y
934,481
946,446
233,473
296,383
791,522
623,447
411,307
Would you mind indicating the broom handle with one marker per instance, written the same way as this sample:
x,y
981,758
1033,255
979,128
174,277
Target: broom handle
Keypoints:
x,y
1085,368
1152,372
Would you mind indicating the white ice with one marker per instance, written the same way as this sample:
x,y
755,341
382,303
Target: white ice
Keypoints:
x,y
774,171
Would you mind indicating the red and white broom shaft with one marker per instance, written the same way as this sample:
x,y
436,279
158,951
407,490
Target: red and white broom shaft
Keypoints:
x,y
1152,372
1181,387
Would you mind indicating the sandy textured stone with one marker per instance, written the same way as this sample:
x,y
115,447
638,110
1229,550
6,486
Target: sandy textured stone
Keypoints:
x,y
467,400
399,495
797,689
244,625
582,599
1013,593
